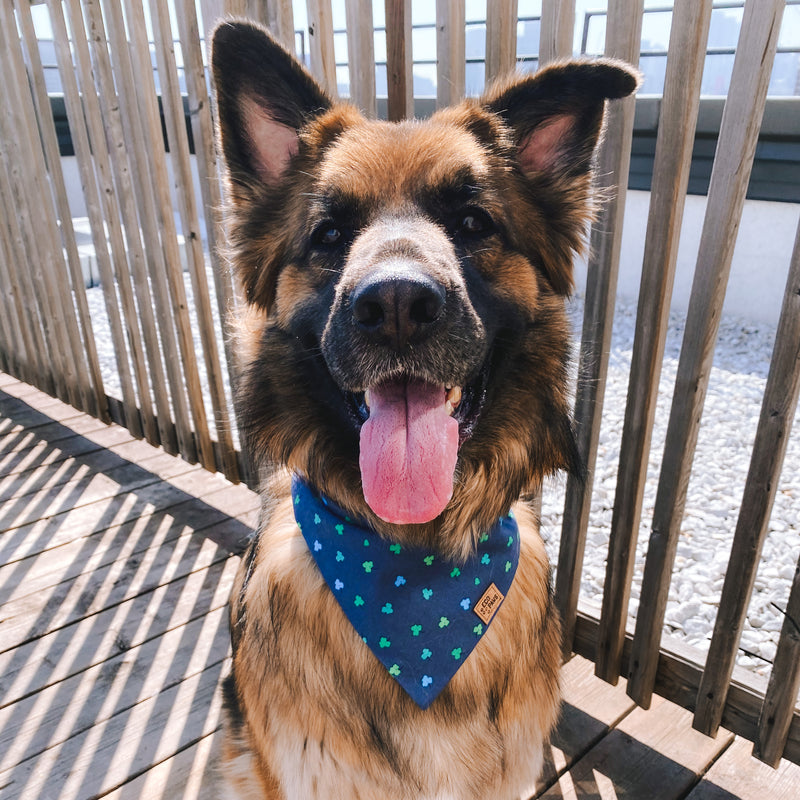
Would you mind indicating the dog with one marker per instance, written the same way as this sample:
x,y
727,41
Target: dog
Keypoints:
x,y
405,355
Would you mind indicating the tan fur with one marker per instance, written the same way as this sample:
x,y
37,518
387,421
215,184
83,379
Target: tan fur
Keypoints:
x,y
310,717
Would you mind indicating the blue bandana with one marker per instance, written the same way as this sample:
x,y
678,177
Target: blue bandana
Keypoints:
x,y
420,614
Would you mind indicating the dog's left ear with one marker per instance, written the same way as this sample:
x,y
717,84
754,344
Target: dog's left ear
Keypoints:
x,y
556,114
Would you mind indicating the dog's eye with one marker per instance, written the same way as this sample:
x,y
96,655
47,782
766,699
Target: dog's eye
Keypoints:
x,y
475,222
327,235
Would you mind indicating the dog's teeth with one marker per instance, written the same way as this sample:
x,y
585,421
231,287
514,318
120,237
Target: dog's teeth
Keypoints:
x,y
367,399
452,399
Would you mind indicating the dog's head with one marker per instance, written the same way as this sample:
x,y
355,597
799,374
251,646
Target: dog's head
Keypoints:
x,y
408,345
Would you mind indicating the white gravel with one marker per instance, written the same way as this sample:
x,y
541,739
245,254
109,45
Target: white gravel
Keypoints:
x,y
723,454
722,460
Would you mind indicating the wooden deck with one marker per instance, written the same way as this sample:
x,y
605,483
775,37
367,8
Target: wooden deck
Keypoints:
x,y
114,575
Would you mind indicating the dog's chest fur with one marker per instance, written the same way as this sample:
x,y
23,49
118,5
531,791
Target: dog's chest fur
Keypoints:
x,y
315,703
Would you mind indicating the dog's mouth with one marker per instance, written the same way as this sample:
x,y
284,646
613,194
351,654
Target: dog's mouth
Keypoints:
x,y
411,430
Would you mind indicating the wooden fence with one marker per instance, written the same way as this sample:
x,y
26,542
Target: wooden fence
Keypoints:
x,y
172,360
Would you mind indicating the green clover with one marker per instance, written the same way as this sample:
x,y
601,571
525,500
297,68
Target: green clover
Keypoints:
x,y
485,559
317,520
358,600
484,537
508,566
426,654
416,630
387,609
340,530
478,629
366,542
368,565
456,653
443,622
384,642
339,555
394,670
510,541
428,560
455,573
395,548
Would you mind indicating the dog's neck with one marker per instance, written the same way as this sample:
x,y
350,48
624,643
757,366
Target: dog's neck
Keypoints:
x,y
420,613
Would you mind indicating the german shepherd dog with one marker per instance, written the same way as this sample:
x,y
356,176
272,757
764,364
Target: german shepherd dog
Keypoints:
x,y
405,348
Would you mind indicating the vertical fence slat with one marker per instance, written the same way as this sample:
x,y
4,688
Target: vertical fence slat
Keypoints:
x,y
784,681
99,204
130,172
280,20
143,145
670,178
206,159
179,150
31,191
558,28
131,270
623,38
501,38
19,358
361,55
320,44
399,76
95,396
171,292
38,367
774,427
741,121
100,107
450,51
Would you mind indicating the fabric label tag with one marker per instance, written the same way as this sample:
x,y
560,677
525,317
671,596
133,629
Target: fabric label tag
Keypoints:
x,y
489,603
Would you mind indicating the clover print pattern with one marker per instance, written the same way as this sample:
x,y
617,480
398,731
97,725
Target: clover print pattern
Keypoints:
x,y
411,607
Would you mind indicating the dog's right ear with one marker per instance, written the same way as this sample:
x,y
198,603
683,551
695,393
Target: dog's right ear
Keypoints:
x,y
264,97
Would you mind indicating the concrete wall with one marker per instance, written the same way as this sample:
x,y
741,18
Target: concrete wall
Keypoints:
x,y
760,262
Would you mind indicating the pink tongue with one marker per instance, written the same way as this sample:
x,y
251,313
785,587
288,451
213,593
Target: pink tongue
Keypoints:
x,y
409,447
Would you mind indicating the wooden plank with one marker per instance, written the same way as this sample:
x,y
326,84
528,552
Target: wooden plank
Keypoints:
x,y
192,774
741,121
774,426
119,215
589,710
320,41
35,246
94,394
361,55
207,171
784,684
158,219
678,678
45,454
131,270
48,568
32,617
98,760
399,61
623,37
58,655
172,102
85,123
652,754
501,38
688,36
280,20
95,399
34,367
557,30
450,52
50,716
736,774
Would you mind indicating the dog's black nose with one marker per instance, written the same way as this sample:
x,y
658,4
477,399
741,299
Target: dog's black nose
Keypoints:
x,y
397,309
